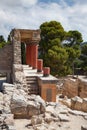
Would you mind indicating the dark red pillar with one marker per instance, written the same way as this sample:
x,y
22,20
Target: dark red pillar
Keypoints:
x,y
34,55
46,71
31,56
39,65
28,54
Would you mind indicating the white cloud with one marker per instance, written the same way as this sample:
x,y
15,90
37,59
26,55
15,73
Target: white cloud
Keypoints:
x,y
27,3
29,14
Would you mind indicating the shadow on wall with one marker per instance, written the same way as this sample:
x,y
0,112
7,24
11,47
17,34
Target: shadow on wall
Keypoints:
x,y
2,80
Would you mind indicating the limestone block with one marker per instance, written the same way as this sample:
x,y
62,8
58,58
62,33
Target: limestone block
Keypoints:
x,y
76,103
48,117
19,106
41,102
63,117
84,105
36,120
70,87
33,108
84,127
8,88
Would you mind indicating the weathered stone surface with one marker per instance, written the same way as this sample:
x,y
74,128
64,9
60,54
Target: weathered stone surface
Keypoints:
x,y
6,58
85,117
42,127
48,118
50,109
75,87
1,96
8,88
24,106
76,103
41,102
84,127
63,117
1,103
19,106
70,87
33,108
78,113
36,120
7,122
66,102
82,83
84,105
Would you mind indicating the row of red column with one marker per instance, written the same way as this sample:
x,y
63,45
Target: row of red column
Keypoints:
x,y
32,55
33,61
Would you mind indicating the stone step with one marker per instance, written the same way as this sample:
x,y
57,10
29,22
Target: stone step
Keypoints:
x,y
31,82
31,79
33,91
32,86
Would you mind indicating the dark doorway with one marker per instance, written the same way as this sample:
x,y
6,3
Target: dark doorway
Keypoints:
x,y
23,53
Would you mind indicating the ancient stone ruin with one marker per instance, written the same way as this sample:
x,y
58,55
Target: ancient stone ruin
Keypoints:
x,y
32,77
31,92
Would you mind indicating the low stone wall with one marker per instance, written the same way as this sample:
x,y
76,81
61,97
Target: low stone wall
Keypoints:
x,y
6,58
78,103
75,87
70,87
82,86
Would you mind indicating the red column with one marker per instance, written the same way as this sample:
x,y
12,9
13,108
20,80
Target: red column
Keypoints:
x,y
28,54
34,55
31,56
46,71
39,65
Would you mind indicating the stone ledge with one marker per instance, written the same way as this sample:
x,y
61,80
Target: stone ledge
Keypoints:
x,y
50,79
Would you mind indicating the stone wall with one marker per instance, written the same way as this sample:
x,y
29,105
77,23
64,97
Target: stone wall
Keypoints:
x,y
82,85
16,41
6,58
70,87
75,87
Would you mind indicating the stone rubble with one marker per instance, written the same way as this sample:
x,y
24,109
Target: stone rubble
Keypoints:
x,y
15,103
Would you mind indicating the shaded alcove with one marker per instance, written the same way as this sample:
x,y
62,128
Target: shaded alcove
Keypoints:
x,y
23,53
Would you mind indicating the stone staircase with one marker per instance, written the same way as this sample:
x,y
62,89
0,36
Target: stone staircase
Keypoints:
x,y
32,85
31,79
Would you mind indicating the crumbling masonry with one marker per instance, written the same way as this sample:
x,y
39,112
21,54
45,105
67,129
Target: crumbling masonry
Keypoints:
x,y
32,77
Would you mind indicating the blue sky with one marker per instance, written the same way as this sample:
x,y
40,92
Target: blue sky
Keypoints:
x,y
30,14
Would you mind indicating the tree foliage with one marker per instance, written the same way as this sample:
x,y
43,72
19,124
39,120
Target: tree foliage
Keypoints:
x,y
83,58
73,38
57,55
2,41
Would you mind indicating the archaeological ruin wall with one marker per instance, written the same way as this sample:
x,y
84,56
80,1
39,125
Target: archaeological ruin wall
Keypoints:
x,y
6,58
6,61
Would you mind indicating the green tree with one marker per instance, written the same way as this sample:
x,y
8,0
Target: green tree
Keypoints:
x,y
73,55
56,59
51,50
73,38
2,41
54,52
83,58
